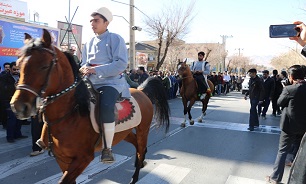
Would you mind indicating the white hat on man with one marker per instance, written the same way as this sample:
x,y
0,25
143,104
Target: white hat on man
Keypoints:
x,y
105,12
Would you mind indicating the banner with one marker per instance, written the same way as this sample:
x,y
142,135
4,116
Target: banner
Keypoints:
x,y
12,37
14,9
75,36
141,59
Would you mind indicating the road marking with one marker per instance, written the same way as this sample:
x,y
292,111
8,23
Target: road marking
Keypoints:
x,y
165,174
229,126
6,147
21,164
94,168
240,180
22,143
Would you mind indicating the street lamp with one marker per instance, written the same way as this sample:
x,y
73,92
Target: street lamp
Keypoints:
x,y
132,33
136,28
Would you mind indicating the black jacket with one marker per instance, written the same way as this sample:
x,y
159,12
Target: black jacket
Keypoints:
x,y
298,170
142,78
7,86
256,89
278,87
293,100
269,86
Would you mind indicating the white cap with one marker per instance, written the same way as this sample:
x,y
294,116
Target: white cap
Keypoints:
x,y
105,12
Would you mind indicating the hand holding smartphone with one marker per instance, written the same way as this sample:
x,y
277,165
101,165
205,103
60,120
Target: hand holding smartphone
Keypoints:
x,y
284,30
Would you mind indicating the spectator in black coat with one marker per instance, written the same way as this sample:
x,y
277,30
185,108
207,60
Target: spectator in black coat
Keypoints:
x,y
298,169
292,123
277,91
256,93
134,75
7,83
142,74
268,84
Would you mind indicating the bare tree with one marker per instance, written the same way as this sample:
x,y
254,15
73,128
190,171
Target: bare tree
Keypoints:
x,y
287,59
238,63
171,24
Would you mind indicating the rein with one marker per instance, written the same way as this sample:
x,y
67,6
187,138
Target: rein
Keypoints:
x,y
186,77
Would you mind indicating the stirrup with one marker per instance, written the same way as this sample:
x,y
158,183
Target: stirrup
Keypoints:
x,y
107,156
41,144
202,96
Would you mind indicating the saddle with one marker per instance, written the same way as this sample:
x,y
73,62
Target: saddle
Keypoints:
x,y
127,111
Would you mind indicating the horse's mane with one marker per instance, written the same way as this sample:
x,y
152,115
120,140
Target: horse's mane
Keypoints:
x,y
81,93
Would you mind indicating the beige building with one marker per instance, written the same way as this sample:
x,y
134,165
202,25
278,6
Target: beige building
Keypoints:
x,y
179,50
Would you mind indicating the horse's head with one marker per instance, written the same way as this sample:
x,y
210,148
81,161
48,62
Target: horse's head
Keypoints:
x,y
183,69
40,74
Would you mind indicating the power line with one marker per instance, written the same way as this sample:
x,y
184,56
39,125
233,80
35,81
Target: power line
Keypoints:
x,y
132,5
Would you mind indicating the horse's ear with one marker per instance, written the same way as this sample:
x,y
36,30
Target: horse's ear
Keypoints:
x,y
185,61
46,37
27,37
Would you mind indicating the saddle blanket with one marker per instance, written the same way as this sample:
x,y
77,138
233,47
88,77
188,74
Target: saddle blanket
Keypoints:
x,y
128,115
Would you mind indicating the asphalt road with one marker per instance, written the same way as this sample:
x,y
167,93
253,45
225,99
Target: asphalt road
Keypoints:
x,y
218,151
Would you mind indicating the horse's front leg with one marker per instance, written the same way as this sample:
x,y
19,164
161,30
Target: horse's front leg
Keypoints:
x,y
191,103
184,100
75,168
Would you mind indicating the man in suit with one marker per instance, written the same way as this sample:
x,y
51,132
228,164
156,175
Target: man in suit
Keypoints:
x,y
269,85
292,123
277,91
298,169
256,93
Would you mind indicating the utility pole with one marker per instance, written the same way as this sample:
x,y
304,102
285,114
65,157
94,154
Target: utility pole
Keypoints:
x,y
69,45
239,49
132,37
224,37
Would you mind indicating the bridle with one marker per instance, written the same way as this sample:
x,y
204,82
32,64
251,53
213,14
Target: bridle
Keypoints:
x,y
42,102
181,76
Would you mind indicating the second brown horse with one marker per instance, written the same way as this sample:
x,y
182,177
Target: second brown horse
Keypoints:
x,y
189,92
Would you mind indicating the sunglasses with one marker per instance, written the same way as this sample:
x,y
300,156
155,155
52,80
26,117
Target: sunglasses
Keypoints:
x,y
14,69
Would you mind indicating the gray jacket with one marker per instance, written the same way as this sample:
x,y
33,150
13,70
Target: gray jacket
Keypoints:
x,y
108,54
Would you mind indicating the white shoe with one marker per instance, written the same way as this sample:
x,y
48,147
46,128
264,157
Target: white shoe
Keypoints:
x,y
202,96
35,153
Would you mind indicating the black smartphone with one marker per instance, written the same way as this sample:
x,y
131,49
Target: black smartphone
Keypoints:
x,y
284,30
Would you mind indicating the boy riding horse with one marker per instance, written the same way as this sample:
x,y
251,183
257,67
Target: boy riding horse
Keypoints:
x,y
200,70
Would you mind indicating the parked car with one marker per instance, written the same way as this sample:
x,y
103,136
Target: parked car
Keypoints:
x,y
245,83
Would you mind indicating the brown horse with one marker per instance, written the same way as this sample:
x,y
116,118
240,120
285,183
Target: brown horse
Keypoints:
x,y
49,79
189,92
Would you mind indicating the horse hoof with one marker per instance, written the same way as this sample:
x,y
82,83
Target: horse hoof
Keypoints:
x,y
204,113
191,122
183,125
144,163
200,120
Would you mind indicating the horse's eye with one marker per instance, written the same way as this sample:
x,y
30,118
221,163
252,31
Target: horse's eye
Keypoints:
x,y
45,67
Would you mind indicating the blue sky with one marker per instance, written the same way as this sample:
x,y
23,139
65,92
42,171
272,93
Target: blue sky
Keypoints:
x,y
246,20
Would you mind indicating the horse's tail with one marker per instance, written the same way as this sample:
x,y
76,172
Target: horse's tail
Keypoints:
x,y
155,90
